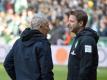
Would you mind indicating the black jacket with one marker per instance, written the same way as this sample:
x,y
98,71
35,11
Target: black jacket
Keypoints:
x,y
30,58
83,58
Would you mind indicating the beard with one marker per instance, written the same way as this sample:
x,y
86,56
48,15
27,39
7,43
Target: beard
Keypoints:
x,y
74,29
70,28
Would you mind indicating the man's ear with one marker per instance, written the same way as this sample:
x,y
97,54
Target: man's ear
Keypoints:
x,y
81,23
41,27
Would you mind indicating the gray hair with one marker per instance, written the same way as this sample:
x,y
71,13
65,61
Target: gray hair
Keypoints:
x,y
38,20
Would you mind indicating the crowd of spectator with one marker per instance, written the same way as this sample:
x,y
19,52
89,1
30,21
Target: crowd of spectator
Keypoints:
x,y
15,16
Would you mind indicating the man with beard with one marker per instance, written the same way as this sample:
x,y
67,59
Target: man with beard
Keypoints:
x,y
83,57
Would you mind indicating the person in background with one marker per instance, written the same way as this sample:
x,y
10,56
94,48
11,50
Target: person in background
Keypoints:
x,y
30,57
83,57
67,34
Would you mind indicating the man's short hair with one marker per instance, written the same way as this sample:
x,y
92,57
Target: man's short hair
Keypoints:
x,y
80,15
38,20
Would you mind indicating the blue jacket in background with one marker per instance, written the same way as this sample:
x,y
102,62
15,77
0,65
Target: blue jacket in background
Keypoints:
x,y
30,57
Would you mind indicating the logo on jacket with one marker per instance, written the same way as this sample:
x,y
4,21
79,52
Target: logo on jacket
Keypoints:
x,y
73,53
88,48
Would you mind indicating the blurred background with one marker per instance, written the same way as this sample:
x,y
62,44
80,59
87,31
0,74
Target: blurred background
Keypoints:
x,y
15,16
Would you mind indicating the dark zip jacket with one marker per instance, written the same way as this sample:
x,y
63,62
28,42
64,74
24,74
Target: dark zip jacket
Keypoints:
x,y
83,57
30,57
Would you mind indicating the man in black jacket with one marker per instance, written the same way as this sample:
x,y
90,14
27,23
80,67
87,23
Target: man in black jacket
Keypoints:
x,y
83,57
30,57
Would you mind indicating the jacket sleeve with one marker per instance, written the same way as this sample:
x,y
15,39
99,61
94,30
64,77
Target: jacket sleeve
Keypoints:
x,y
45,60
86,48
9,64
